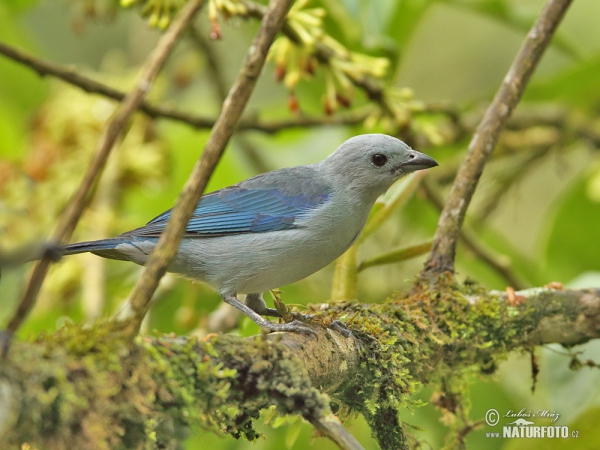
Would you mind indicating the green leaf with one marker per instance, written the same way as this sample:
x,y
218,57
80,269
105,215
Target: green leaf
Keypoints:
x,y
396,255
577,86
293,433
573,240
506,13
404,18
20,5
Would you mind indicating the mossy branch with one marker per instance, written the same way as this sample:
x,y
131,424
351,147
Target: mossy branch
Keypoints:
x,y
90,386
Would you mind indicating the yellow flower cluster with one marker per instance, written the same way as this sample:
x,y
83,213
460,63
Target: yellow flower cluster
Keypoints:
x,y
297,60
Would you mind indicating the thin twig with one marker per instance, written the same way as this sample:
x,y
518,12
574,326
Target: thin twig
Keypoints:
x,y
514,176
469,239
70,75
213,63
372,88
73,77
113,130
231,112
468,428
331,427
484,140
274,126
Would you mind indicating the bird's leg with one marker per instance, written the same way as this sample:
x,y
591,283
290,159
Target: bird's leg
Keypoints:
x,y
257,304
292,327
286,313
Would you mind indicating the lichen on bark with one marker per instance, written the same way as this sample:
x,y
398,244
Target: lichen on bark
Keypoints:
x,y
89,387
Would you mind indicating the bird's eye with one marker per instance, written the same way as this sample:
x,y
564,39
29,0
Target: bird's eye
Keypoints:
x,y
378,159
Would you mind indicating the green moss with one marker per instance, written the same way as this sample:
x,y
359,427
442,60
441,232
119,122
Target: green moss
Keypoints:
x,y
436,337
90,387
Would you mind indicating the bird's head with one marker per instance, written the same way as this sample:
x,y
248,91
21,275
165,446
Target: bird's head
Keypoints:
x,y
371,163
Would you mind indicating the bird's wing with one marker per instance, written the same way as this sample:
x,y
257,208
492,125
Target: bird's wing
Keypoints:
x,y
236,210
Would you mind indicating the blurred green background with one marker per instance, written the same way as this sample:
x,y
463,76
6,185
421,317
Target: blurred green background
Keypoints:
x,y
537,207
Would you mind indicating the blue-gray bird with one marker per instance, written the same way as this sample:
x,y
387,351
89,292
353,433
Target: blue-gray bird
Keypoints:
x,y
278,227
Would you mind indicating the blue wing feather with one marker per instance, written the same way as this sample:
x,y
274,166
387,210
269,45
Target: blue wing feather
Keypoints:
x,y
237,210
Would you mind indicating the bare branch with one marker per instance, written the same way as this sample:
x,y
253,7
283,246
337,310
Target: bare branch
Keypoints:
x,y
494,199
231,112
112,132
71,76
484,140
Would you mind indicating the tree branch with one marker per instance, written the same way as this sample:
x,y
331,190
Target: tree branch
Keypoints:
x,y
484,140
113,130
91,384
231,112
213,63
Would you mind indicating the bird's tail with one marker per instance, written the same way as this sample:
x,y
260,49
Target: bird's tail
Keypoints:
x,y
107,248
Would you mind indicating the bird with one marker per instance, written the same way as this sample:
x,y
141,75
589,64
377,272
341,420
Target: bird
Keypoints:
x,y
275,228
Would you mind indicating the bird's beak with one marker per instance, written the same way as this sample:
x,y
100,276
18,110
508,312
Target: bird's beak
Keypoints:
x,y
418,161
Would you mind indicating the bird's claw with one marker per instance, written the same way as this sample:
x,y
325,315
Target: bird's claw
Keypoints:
x,y
294,326
291,327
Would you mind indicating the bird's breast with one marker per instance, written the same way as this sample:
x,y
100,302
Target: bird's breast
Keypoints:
x,y
257,262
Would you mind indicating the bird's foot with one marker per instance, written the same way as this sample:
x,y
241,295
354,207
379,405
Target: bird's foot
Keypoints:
x,y
294,326
256,303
